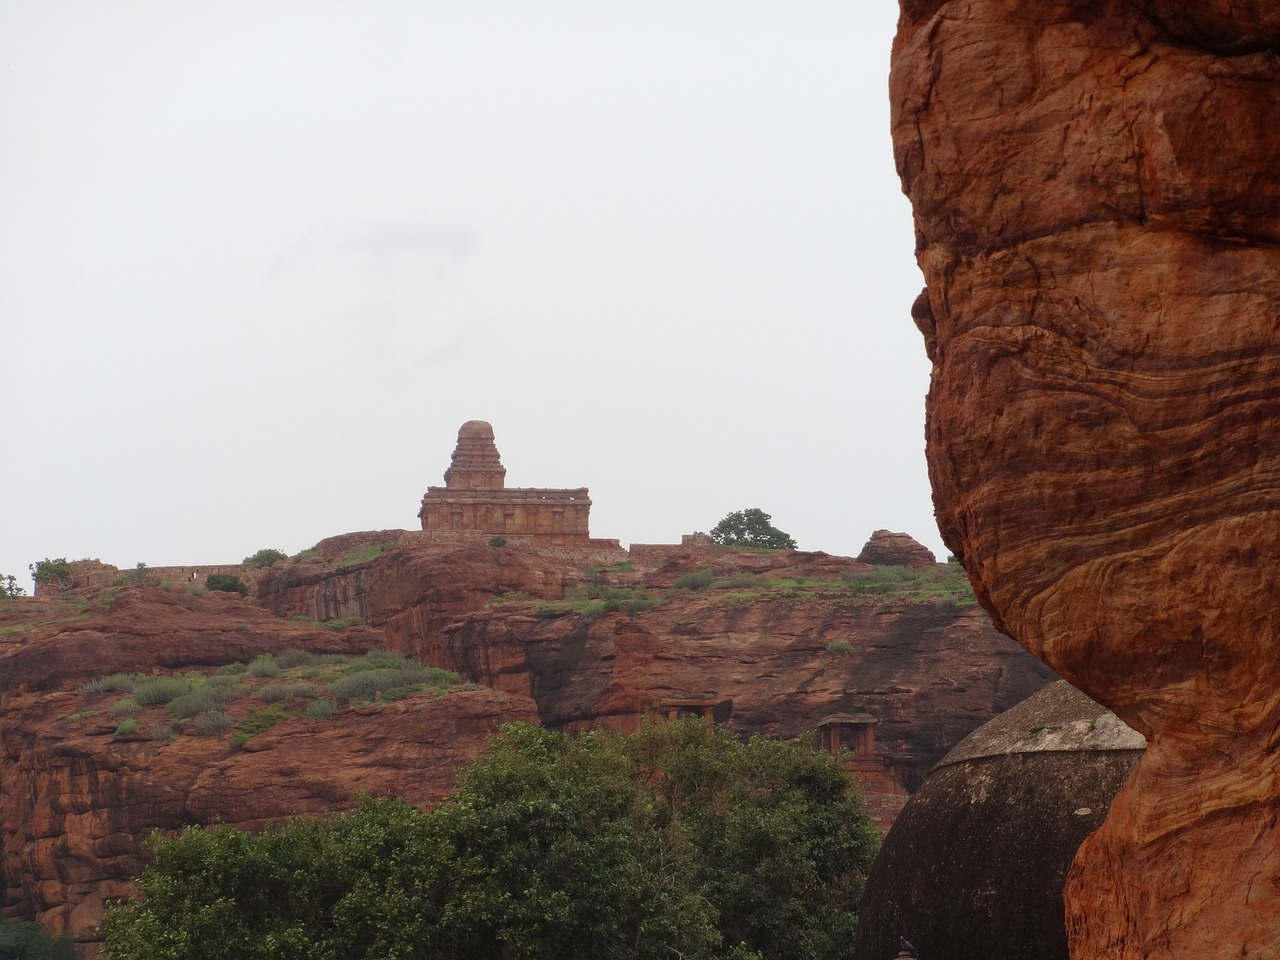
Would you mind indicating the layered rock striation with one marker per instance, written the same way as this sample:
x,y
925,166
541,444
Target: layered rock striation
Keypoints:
x,y
1098,219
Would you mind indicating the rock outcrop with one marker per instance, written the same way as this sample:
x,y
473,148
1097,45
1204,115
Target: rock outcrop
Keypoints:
x,y
929,673
1098,218
886,548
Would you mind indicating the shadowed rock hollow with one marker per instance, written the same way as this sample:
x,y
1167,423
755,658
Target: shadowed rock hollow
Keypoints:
x,y
1097,215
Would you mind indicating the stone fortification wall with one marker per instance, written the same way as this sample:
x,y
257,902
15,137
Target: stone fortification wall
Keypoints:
x,y
696,545
90,575
592,552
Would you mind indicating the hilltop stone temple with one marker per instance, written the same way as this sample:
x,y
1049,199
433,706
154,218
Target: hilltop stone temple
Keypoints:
x,y
476,500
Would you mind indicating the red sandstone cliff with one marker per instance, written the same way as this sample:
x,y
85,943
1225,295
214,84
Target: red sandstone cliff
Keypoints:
x,y
78,801
789,637
1097,214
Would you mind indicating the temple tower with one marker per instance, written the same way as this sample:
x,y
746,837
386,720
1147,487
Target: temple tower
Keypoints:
x,y
475,499
475,464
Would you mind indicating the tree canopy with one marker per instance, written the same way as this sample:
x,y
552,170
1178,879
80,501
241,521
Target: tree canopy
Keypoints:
x,y
265,557
750,528
678,841
27,940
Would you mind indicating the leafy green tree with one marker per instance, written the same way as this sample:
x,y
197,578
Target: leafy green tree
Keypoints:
x,y
9,590
25,940
225,583
136,577
750,528
265,558
679,841
51,571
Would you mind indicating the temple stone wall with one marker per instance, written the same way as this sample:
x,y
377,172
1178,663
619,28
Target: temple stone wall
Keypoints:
x,y
475,498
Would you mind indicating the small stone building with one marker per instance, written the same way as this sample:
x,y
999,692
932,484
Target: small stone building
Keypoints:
x,y
475,499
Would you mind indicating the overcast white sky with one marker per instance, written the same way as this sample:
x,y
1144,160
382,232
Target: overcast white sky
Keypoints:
x,y
259,261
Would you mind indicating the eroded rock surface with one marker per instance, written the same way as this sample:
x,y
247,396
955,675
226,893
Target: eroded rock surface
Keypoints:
x,y
77,801
888,548
1098,213
788,637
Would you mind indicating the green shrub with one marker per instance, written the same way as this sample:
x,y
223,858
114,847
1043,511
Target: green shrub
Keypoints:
x,y
840,647
212,723
159,690
274,692
232,669
342,624
136,577
310,553
295,658
360,556
202,700
225,583
125,708
27,940
400,693
264,665
366,684
264,718
162,731
225,680
265,558
698,580
113,683
127,728
498,541
740,581
378,659
321,709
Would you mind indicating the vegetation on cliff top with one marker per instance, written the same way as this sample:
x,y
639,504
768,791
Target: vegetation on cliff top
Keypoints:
x,y
294,684
944,584
750,528
678,841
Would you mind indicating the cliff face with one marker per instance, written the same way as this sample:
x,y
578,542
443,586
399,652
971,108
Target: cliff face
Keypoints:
x,y
929,673
78,800
1097,216
790,638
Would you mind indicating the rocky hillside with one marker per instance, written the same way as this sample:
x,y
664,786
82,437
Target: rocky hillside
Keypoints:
x,y
271,711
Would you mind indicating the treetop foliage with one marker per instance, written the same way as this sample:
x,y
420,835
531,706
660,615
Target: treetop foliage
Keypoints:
x,y
51,571
225,583
750,528
265,558
678,841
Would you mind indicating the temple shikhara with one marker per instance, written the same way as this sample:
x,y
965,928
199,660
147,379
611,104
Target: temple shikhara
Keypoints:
x,y
475,499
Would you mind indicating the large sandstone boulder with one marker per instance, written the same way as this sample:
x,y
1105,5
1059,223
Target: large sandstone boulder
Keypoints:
x,y
1098,217
886,548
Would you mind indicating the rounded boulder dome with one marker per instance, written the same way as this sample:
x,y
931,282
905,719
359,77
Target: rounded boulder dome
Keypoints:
x,y
975,864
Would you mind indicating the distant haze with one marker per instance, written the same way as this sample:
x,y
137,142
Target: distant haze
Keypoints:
x,y
261,260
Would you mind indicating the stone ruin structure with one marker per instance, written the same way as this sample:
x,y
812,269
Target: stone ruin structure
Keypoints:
x,y
476,500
